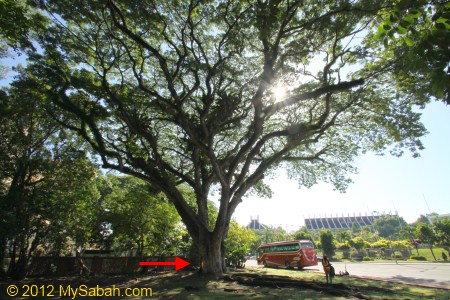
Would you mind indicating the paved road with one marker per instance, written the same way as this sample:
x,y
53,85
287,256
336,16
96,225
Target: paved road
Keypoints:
x,y
432,274
429,274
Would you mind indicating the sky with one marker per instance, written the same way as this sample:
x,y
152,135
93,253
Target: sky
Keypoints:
x,y
384,184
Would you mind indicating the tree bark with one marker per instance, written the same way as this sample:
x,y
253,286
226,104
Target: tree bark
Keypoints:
x,y
210,250
2,258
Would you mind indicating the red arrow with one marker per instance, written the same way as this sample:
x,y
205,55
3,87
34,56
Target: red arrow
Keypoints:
x,y
178,263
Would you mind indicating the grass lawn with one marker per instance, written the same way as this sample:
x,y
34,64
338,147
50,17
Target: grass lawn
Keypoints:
x,y
301,285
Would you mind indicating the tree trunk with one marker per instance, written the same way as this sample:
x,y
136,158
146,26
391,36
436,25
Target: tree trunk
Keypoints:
x,y
2,258
17,269
432,252
210,250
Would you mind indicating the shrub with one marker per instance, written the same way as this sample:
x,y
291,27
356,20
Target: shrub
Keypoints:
x,y
356,255
417,257
366,258
405,252
372,253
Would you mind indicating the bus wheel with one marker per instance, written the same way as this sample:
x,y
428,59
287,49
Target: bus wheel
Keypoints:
x,y
299,266
288,266
265,264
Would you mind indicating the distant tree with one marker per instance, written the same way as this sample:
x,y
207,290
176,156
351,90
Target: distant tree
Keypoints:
x,y
442,228
269,235
135,212
303,234
407,233
327,242
343,236
238,243
389,225
425,233
422,219
191,92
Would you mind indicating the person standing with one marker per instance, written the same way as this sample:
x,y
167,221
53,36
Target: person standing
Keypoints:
x,y
327,269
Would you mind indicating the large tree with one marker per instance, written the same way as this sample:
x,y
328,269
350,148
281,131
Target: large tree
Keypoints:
x,y
46,181
218,94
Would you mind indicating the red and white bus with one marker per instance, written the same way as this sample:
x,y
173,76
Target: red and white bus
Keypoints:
x,y
297,253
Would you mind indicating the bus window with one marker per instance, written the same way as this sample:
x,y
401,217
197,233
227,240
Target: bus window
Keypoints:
x,y
307,245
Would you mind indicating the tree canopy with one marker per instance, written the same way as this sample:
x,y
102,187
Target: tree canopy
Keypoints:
x,y
216,95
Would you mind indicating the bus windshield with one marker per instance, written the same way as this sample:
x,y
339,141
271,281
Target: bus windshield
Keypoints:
x,y
307,245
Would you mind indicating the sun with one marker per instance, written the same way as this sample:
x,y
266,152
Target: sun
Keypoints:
x,y
279,92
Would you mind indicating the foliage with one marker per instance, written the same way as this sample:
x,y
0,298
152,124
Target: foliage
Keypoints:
x,y
426,234
269,235
388,225
303,235
26,19
421,219
442,229
178,92
401,244
327,242
415,35
238,243
358,243
47,190
20,24
343,246
343,236
381,243
134,213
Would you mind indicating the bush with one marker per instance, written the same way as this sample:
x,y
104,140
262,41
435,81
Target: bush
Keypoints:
x,y
357,255
366,258
417,257
405,252
372,253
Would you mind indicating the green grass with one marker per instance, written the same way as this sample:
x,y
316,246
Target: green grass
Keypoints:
x,y
187,285
427,254
422,252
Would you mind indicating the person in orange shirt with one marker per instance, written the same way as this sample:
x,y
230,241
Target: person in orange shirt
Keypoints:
x,y
327,269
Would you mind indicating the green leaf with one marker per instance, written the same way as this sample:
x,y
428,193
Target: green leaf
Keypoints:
x,y
441,20
408,19
415,13
408,41
401,30
381,29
